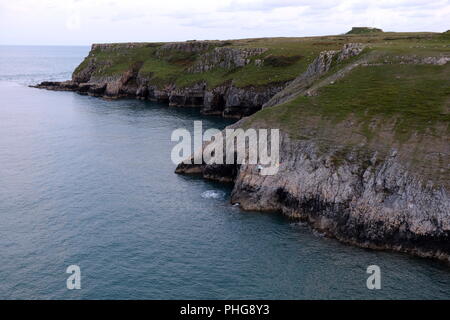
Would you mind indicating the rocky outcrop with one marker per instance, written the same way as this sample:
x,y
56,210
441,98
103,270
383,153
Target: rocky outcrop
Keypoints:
x,y
358,196
227,58
364,30
188,46
229,100
440,61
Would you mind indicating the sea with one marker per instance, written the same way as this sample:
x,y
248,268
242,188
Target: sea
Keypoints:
x,y
89,183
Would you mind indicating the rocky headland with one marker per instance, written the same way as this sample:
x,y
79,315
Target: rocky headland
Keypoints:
x,y
193,57
364,120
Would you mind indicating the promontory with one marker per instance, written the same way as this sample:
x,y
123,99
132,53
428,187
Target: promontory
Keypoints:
x,y
364,121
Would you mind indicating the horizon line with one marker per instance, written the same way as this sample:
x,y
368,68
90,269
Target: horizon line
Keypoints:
x,y
167,41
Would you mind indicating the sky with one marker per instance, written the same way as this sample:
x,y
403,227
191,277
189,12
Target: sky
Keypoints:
x,y
83,22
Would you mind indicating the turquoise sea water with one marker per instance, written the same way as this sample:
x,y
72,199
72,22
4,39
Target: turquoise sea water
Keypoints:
x,y
89,182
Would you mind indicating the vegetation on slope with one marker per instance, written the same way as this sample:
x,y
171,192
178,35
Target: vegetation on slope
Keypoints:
x,y
415,97
284,60
398,98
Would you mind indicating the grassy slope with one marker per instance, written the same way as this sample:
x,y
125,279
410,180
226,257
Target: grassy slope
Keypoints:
x,y
416,96
379,106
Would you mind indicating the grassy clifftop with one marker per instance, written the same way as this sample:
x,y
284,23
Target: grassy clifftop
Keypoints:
x,y
282,60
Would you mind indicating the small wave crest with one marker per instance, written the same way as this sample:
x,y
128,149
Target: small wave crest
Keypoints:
x,y
213,194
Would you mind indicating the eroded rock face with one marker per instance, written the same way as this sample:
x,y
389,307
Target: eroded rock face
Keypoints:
x,y
361,202
188,46
227,100
231,101
227,58
85,74
365,198
440,61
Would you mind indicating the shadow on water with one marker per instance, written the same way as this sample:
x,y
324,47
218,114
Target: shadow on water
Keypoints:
x,y
145,108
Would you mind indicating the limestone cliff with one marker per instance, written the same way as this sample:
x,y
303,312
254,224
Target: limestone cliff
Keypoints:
x,y
194,57
371,196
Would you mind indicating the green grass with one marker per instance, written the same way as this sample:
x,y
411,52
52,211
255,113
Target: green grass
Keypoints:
x,y
415,97
120,60
281,61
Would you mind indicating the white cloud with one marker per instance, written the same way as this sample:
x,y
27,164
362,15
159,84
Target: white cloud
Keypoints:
x,y
88,21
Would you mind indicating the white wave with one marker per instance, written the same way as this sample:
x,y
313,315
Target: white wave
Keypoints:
x,y
213,194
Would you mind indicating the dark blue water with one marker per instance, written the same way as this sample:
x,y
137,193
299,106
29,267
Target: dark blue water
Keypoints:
x,y
90,182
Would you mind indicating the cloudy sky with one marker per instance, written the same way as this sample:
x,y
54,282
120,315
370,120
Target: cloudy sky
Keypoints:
x,y
82,22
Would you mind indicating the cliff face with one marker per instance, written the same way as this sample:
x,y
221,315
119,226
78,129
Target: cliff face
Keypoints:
x,y
196,57
227,58
369,200
366,196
